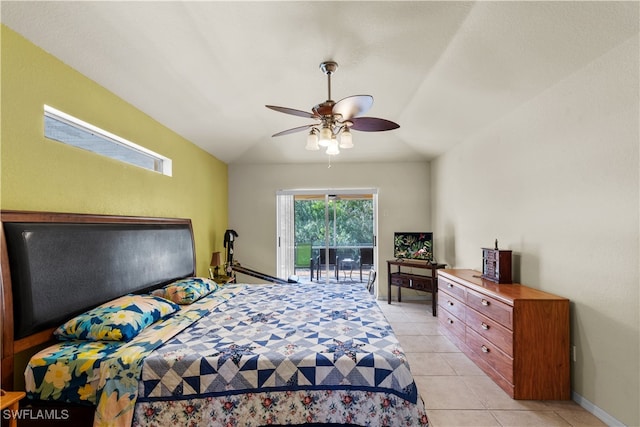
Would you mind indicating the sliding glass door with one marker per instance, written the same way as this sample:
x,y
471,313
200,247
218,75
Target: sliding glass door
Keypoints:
x,y
323,234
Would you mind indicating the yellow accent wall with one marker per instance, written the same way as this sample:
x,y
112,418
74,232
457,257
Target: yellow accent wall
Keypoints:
x,y
43,175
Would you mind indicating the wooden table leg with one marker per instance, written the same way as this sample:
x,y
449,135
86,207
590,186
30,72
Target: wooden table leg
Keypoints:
x,y
434,301
10,400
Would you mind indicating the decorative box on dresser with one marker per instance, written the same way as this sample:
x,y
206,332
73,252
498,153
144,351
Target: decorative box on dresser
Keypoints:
x,y
496,265
517,335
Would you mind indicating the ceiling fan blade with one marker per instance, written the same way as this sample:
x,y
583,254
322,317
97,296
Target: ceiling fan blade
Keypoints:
x,y
294,130
292,111
352,106
372,124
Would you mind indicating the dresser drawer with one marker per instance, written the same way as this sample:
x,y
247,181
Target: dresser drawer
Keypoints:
x,y
490,354
450,324
452,305
491,330
451,288
490,307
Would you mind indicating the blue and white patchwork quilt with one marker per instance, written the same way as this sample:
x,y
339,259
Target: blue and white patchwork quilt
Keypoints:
x,y
282,354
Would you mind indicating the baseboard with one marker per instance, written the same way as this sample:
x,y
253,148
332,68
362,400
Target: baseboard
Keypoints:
x,y
411,298
590,407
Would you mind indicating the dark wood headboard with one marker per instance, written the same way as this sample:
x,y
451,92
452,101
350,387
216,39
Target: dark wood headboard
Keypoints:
x,y
56,265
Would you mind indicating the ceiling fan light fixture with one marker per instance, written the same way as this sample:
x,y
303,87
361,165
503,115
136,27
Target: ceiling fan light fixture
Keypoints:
x,y
334,120
312,140
325,136
346,140
333,149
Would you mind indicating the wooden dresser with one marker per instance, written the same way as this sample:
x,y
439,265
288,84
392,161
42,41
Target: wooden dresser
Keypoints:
x,y
517,335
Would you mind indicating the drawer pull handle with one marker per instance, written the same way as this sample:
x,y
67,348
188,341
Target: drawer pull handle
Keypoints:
x,y
450,303
484,349
411,283
484,326
449,285
484,302
450,321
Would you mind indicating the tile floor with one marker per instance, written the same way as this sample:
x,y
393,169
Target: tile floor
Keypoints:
x,y
455,391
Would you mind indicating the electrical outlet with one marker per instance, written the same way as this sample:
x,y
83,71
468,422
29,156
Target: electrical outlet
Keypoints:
x,y
574,353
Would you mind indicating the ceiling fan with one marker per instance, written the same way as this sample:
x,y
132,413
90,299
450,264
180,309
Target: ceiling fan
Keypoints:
x,y
336,119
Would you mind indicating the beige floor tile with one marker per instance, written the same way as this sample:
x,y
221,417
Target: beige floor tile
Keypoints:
x,y
389,307
406,306
397,316
405,329
461,418
417,308
414,317
429,328
416,344
428,364
580,417
446,392
441,344
421,320
493,397
563,405
528,418
461,364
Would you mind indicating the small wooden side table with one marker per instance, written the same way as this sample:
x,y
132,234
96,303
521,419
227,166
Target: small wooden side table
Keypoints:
x,y
10,400
425,282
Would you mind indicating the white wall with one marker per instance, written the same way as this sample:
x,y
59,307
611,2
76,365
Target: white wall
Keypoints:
x,y
403,204
556,181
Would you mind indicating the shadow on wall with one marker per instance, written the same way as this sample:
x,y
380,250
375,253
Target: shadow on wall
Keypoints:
x,y
526,265
590,357
516,259
449,246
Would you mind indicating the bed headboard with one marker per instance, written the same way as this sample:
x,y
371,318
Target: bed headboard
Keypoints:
x,y
57,265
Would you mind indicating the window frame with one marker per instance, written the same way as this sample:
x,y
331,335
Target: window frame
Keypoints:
x,y
161,164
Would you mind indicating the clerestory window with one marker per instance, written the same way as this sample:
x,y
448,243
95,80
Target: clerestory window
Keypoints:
x,y
70,130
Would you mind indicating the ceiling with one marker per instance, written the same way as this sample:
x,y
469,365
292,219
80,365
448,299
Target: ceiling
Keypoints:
x,y
444,70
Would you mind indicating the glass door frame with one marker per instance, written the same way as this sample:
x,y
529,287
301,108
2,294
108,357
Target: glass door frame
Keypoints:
x,y
285,227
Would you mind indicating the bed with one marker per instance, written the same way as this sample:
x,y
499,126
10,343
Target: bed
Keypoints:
x,y
239,354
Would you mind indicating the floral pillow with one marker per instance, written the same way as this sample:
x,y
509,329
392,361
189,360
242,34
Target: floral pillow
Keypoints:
x,y
118,320
189,290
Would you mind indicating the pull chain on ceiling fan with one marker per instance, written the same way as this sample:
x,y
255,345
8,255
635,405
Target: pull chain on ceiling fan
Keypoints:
x,y
336,119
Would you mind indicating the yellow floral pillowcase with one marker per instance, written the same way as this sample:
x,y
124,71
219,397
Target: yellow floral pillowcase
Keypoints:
x,y
189,290
118,320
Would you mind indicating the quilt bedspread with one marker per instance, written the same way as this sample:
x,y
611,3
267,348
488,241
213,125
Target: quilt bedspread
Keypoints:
x,y
105,373
289,344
